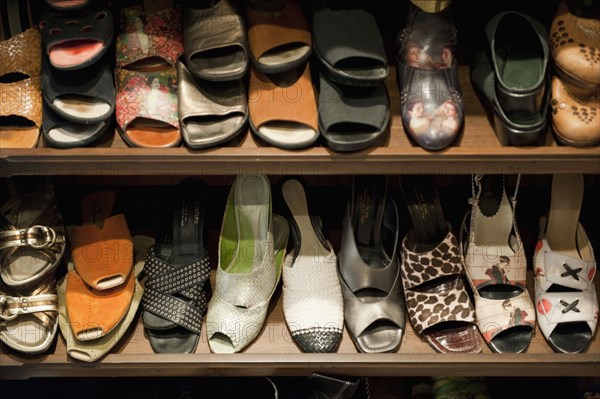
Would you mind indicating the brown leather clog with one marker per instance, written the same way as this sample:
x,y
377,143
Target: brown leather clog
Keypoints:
x,y
574,45
575,114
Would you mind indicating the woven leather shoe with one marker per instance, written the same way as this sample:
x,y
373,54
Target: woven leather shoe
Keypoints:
x,y
575,44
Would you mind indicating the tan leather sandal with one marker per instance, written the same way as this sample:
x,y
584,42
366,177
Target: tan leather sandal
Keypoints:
x,y
21,100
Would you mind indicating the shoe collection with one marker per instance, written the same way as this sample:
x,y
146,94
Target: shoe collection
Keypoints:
x,y
202,73
376,280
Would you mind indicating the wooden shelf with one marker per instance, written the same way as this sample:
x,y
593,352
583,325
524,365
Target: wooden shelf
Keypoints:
x,y
476,151
273,353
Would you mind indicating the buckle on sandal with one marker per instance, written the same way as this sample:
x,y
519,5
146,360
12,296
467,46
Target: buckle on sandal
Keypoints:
x,y
38,237
4,314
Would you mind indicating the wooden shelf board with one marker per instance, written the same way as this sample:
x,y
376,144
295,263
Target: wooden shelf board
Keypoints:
x,y
476,151
273,353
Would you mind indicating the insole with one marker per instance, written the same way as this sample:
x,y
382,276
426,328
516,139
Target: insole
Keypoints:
x,y
563,217
251,207
74,133
422,199
82,106
213,125
571,337
514,340
493,232
361,67
493,218
222,60
26,331
67,3
150,133
19,136
283,54
369,196
311,250
287,132
74,52
519,71
149,64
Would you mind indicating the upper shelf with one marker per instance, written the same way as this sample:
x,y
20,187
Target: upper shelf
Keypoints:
x,y
476,151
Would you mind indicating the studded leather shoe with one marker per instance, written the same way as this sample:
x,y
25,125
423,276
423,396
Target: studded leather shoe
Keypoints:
x,y
427,71
575,114
575,43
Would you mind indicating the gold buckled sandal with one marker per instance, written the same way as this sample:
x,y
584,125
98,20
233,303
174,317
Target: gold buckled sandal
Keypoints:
x,y
28,317
32,236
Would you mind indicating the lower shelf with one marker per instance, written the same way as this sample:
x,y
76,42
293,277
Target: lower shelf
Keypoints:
x,y
274,354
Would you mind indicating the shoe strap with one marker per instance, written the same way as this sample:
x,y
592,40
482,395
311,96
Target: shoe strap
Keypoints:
x,y
41,302
184,314
476,189
567,307
13,306
36,237
568,271
187,280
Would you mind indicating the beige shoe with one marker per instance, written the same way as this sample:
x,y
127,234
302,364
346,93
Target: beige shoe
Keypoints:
x,y
575,114
575,46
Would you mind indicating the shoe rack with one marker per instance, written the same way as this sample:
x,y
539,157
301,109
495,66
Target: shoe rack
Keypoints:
x,y
112,163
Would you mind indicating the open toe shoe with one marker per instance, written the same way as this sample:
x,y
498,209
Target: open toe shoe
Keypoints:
x,y
496,267
73,43
369,269
177,289
148,47
216,42
283,108
312,297
279,40
210,113
20,83
252,247
438,303
565,267
91,350
101,246
348,44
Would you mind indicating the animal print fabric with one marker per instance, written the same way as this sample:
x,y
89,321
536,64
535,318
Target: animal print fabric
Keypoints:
x,y
451,303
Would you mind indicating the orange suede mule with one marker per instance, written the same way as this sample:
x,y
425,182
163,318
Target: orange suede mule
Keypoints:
x,y
102,246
